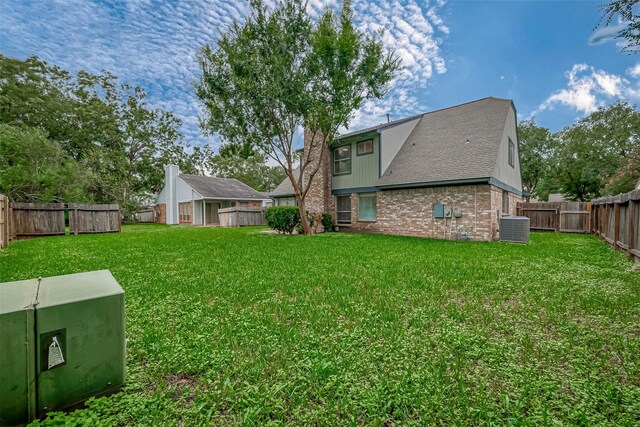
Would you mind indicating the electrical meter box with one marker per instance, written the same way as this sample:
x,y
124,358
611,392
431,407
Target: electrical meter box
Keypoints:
x,y
62,341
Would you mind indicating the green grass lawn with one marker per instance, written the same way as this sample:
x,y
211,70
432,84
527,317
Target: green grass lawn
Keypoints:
x,y
237,326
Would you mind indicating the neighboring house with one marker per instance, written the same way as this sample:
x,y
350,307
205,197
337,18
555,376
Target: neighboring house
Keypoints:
x,y
553,197
268,202
195,199
556,197
283,193
428,175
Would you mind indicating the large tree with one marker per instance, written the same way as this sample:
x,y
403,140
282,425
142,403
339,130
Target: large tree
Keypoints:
x,y
537,146
105,127
36,169
278,71
595,149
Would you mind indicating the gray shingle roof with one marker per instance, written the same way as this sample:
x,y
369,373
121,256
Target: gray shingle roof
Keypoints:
x,y
285,188
221,188
437,148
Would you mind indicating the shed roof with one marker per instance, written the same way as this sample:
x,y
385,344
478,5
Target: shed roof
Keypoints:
x,y
221,188
453,144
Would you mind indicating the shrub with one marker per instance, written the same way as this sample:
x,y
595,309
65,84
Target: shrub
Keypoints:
x,y
283,219
327,221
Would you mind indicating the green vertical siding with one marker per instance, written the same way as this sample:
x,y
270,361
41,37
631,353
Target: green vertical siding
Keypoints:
x,y
364,169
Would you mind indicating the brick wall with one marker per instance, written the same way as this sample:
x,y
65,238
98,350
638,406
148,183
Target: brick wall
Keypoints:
x,y
161,213
409,212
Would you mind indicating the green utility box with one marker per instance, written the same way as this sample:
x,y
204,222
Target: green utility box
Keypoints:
x,y
61,341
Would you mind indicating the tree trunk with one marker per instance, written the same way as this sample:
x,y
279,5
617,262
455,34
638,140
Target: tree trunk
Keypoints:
x,y
304,219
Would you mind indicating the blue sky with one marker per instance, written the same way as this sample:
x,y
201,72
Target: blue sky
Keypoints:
x,y
546,56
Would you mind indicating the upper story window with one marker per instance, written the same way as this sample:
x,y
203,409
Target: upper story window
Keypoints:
x,y
364,147
512,152
342,160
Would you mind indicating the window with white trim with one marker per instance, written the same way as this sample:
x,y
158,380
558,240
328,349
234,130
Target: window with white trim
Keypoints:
x,y
343,209
342,160
184,211
367,207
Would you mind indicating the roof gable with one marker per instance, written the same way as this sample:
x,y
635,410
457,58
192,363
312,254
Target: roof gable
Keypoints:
x,y
285,188
221,188
437,149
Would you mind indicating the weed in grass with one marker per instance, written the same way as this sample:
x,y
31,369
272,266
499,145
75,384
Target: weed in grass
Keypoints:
x,y
238,326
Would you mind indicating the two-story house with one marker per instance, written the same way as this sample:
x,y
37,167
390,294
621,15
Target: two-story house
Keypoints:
x,y
437,174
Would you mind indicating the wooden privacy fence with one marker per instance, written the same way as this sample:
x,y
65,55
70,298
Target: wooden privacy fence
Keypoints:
x,y
238,216
23,220
147,215
617,220
90,219
566,217
37,219
4,221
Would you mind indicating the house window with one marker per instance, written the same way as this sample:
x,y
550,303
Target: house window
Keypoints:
x,y
184,211
367,207
343,209
286,201
342,160
505,202
512,152
364,147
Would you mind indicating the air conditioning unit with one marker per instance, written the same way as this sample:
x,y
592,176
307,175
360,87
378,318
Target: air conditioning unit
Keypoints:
x,y
514,229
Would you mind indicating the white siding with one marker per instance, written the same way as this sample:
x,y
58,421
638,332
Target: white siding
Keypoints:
x,y
162,196
171,176
185,192
392,139
504,172
197,212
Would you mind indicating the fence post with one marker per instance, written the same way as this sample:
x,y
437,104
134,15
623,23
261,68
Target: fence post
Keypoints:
x,y
630,226
616,224
75,218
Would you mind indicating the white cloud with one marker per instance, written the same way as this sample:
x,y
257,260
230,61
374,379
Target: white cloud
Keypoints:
x,y
588,88
606,34
634,71
153,44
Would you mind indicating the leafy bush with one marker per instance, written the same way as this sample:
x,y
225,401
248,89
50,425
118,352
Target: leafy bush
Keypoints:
x,y
283,219
327,221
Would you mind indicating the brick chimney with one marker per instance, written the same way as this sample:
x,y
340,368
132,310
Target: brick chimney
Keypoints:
x,y
319,198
